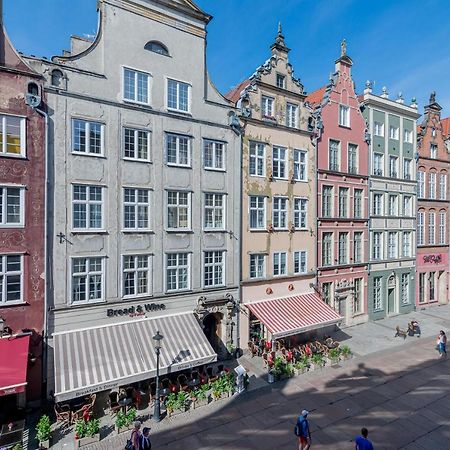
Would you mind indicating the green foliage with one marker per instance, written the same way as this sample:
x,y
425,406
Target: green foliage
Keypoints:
x,y
302,364
230,347
181,400
201,393
86,428
171,402
124,420
19,446
334,353
43,429
317,359
281,367
345,350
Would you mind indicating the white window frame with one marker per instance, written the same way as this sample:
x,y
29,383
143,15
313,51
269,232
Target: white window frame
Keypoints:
x,y
255,259
136,138
178,138
258,159
136,87
189,95
23,136
392,245
327,250
88,205
420,228
4,274
343,206
327,201
257,210
358,295
215,146
213,208
358,251
377,204
279,162
393,166
394,132
442,227
4,206
406,244
282,78
300,165
407,136
352,158
216,267
378,164
291,115
177,267
137,207
358,203
136,270
179,206
267,104
393,205
300,258
420,184
344,116
407,169
431,228
300,213
432,178
404,286
433,151
442,186
88,274
87,130
280,214
334,155
282,264
378,128
343,247
407,203
377,245
377,297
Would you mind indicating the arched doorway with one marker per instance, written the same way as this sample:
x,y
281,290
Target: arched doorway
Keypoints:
x,y
391,307
212,329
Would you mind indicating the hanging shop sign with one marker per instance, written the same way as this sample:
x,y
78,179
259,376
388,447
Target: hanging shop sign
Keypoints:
x,y
134,311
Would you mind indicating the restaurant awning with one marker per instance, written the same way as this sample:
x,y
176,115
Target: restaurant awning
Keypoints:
x,y
96,359
13,364
291,315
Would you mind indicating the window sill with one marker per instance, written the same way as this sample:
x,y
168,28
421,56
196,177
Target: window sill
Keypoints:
x,y
178,291
75,232
348,127
148,161
258,230
178,231
91,155
12,304
179,111
280,229
256,176
86,303
137,231
215,230
180,166
137,297
213,169
135,102
12,226
13,155
216,286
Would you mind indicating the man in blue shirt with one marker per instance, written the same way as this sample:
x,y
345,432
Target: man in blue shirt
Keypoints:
x,y
362,443
303,432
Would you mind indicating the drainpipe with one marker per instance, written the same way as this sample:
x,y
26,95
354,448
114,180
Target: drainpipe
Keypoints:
x,y
238,319
46,302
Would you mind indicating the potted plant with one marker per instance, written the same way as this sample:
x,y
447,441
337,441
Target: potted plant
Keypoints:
x,y
216,389
199,397
87,432
318,360
43,432
346,352
171,402
278,368
124,421
302,365
19,447
182,401
333,355
231,350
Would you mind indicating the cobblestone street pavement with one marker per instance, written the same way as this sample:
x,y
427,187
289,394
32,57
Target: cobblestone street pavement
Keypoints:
x,y
400,393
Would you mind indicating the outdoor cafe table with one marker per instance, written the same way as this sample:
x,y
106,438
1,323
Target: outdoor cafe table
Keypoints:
x,y
13,436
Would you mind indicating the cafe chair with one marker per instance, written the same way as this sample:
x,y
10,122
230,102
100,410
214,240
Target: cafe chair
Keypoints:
x,y
79,414
63,414
113,402
211,376
182,382
153,391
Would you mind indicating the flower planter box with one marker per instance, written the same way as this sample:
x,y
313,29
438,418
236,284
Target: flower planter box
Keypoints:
x,y
302,370
123,429
199,403
44,445
87,440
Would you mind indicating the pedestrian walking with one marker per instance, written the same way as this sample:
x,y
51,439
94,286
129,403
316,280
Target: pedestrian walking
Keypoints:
x,y
145,443
134,442
302,431
442,342
362,442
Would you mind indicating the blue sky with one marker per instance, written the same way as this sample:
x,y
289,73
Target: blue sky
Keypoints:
x,y
401,44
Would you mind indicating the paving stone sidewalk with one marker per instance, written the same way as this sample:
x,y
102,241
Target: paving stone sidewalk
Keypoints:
x,y
397,388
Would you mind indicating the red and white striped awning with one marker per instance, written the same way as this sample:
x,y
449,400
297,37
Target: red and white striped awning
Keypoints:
x,y
291,315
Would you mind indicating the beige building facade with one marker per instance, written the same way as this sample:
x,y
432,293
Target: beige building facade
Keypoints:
x,y
279,188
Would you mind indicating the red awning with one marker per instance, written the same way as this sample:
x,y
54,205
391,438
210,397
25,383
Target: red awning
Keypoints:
x,y
291,315
13,364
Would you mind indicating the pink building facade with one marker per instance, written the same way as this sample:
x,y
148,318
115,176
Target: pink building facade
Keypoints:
x,y
432,263
342,185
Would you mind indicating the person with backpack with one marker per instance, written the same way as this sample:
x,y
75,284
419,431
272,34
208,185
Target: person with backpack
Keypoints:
x,y
135,439
302,431
145,443
362,442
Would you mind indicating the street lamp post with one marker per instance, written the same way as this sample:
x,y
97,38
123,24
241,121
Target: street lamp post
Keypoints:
x,y
157,338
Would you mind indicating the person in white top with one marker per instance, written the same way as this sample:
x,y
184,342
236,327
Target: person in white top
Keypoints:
x,y
442,343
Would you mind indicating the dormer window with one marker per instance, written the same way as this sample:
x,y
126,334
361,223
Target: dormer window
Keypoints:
x,y
157,47
267,106
57,78
281,81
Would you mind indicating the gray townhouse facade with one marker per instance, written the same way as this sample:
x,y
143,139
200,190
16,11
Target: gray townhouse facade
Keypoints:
x,y
145,203
393,200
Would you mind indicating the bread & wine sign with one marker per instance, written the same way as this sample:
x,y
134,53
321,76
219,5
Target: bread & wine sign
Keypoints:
x,y
134,311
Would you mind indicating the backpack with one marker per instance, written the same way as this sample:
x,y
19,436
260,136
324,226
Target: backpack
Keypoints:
x,y
129,445
301,427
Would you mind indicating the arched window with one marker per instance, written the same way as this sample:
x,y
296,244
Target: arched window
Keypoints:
x,y
57,78
157,47
33,89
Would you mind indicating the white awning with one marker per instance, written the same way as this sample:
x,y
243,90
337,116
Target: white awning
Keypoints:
x,y
96,359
